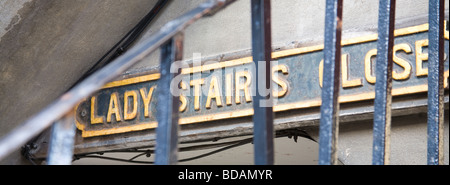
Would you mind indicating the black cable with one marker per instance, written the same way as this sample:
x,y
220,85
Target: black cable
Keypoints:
x,y
148,153
115,159
228,145
120,47
240,143
243,142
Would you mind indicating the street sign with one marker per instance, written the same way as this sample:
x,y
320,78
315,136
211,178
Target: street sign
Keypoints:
x,y
223,90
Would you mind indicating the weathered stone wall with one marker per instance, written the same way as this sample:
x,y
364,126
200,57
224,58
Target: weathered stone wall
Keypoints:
x,y
46,45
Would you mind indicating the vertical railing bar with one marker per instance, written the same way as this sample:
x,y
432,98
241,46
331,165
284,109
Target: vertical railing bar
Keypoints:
x,y
329,110
262,102
62,139
435,153
168,103
383,84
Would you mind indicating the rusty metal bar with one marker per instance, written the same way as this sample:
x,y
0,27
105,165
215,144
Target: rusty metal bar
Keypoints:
x,y
37,123
329,110
168,103
383,85
263,109
60,150
436,53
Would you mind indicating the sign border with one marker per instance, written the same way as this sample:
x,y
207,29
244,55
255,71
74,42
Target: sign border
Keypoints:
x,y
249,112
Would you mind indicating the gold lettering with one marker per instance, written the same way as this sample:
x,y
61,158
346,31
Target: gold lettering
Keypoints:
x,y
420,57
402,62
244,86
213,93
345,82
113,108
197,84
279,80
94,118
183,99
146,97
321,73
127,115
446,36
228,90
446,73
368,66
445,30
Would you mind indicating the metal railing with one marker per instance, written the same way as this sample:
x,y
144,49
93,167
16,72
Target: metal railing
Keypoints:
x,y
329,121
170,40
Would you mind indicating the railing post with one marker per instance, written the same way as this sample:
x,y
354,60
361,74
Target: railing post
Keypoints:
x,y
60,150
383,84
329,110
262,105
435,83
168,103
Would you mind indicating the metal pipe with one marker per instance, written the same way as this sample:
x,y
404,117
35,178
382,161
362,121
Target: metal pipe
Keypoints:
x,y
435,154
262,102
60,150
383,84
329,110
168,103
